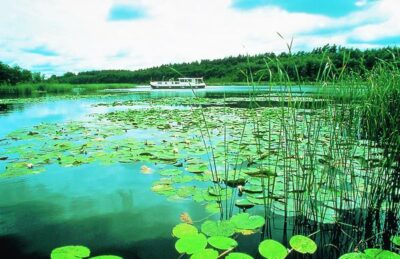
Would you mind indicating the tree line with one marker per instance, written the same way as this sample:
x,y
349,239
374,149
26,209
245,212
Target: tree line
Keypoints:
x,y
13,75
300,66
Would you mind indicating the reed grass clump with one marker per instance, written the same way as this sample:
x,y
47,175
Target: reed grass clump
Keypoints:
x,y
35,89
329,169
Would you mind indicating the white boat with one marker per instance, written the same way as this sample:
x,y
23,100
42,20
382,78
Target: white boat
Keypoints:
x,y
181,83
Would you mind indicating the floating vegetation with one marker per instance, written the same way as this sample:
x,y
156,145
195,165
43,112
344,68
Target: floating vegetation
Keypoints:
x,y
371,253
219,235
218,228
183,230
77,252
245,221
191,244
272,249
70,252
205,253
308,163
222,243
237,255
303,244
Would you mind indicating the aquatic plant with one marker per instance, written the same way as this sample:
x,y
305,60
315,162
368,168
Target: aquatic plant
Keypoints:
x,y
77,252
325,164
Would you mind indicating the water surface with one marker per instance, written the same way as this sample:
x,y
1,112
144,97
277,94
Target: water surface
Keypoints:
x,y
109,208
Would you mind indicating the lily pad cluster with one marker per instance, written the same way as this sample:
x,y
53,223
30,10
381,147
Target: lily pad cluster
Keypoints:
x,y
272,249
77,252
370,253
271,166
295,161
215,237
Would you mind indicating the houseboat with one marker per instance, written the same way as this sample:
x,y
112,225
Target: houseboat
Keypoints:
x,y
181,83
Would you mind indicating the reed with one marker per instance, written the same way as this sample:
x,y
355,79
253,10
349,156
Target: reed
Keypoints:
x,y
30,89
339,163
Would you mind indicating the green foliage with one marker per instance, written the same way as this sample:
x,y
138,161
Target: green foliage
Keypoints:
x,y
395,240
272,249
353,256
206,253
13,75
77,252
245,221
238,256
370,253
33,89
106,257
218,228
300,67
191,244
184,229
221,242
70,252
303,244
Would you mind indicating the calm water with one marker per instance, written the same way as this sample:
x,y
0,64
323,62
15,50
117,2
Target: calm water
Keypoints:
x,y
110,209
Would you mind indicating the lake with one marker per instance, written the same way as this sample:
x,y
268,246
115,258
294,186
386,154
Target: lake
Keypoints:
x,y
115,171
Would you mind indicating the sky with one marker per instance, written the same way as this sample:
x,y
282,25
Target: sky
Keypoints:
x,y
57,36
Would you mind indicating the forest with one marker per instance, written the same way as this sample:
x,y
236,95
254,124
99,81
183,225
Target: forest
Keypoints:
x,y
12,75
300,67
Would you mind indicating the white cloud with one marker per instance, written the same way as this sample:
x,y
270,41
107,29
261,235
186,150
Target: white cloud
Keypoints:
x,y
387,24
173,31
361,3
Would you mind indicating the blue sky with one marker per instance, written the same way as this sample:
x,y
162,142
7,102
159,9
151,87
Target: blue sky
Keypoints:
x,y
41,50
332,8
125,12
59,36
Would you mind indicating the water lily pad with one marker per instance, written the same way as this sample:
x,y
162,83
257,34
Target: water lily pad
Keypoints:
x,y
238,256
395,240
253,189
221,242
165,189
184,229
182,179
218,191
213,207
244,203
218,228
272,249
106,257
186,191
170,172
171,158
205,254
191,244
197,169
245,221
205,195
70,252
262,173
381,254
258,199
375,253
353,256
303,244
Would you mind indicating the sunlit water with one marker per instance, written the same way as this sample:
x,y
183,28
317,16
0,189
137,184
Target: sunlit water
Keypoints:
x,y
111,209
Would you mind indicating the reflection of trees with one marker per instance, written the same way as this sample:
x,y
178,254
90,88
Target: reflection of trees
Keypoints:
x,y
126,199
4,108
